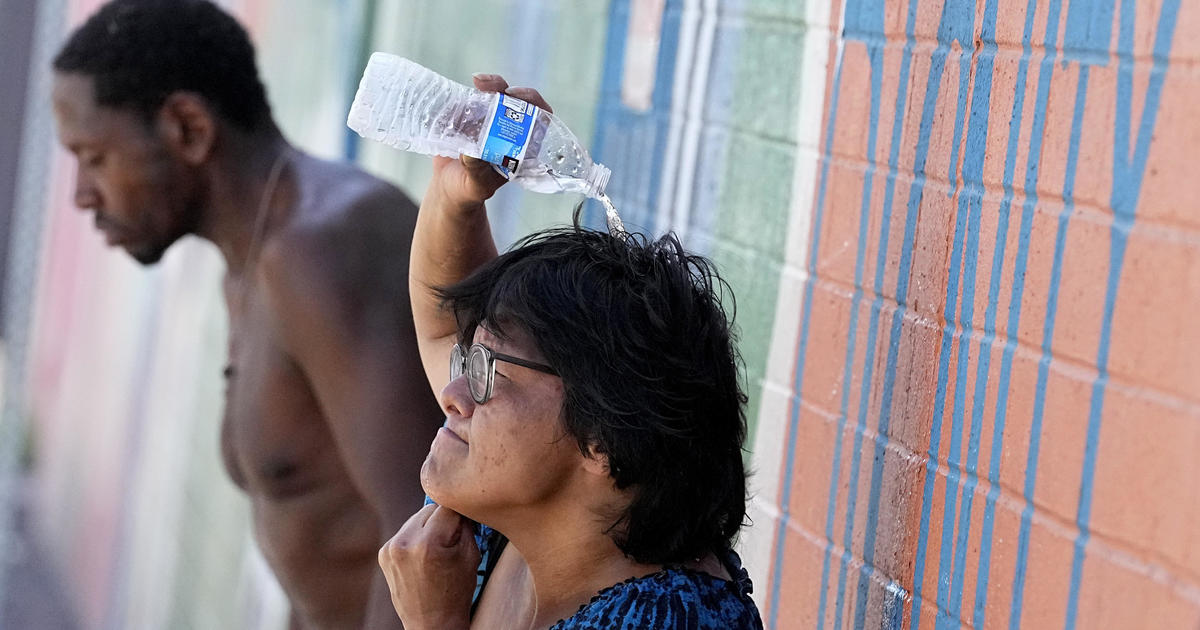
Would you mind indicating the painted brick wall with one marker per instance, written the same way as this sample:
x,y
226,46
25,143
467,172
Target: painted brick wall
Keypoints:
x,y
994,411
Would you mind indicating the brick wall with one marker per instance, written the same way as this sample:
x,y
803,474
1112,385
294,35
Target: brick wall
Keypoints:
x,y
993,406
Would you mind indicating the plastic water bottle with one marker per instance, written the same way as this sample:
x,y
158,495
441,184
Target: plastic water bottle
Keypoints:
x,y
407,106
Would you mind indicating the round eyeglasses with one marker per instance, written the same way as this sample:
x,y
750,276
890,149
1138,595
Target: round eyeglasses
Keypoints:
x,y
479,364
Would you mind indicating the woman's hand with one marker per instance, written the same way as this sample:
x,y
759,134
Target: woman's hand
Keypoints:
x,y
467,182
430,568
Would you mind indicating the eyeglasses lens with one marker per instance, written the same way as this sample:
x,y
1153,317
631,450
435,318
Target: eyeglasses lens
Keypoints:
x,y
456,362
477,373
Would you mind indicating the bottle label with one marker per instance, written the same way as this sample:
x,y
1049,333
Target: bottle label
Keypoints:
x,y
508,133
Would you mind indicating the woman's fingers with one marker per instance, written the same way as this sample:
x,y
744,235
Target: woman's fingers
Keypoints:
x,y
530,95
444,527
496,83
490,82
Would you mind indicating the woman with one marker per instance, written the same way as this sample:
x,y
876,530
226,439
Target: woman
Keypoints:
x,y
594,427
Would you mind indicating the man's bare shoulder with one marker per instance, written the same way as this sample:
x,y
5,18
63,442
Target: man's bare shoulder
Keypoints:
x,y
346,241
335,198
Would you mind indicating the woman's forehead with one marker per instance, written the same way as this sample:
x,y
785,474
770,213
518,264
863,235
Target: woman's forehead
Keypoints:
x,y
511,339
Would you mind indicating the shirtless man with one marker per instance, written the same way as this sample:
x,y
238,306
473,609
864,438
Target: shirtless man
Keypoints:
x,y
328,414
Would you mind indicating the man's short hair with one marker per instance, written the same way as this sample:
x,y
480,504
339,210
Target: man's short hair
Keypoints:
x,y
140,51
637,330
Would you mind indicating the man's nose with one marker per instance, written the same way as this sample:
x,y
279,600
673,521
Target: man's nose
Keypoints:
x,y
456,398
86,195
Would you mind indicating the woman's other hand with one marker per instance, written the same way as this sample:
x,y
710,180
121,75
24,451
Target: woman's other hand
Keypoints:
x,y
430,568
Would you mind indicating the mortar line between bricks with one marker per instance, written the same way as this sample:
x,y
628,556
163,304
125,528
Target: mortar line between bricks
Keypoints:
x,y
873,571
1072,54
709,123
741,17
1023,348
1163,569
752,251
994,191
880,577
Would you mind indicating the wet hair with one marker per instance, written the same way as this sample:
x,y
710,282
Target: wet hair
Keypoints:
x,y
138,52
639,333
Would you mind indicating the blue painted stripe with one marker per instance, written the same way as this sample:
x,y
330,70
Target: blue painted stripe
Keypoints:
x,y
875,52
964,229
973,176
1060,240
902,279
353,39
1032,171
609,111
634,141
1010,164
957,23
793,425
970,204
1126,189
928,114
837,449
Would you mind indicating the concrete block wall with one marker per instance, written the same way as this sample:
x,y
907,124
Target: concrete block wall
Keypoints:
x,y
965,246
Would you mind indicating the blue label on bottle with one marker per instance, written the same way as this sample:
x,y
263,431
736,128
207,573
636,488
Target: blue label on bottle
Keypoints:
x,y
509,133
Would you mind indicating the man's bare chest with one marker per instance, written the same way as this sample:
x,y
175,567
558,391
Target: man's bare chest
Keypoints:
x,y
274,438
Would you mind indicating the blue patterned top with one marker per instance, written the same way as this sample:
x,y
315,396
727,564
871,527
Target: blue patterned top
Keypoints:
x,y
675,598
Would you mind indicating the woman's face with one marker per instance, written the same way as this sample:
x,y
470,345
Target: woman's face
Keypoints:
x,y
512,451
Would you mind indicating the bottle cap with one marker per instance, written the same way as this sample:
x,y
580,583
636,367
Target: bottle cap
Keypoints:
x,y
597,179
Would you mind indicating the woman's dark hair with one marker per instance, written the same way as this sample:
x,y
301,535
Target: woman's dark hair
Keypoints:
x,y
138,52
638,331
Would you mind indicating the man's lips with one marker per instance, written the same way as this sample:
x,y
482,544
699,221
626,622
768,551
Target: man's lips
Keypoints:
x,y
112,232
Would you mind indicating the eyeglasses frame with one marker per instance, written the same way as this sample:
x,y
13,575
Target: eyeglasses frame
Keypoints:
x,y
491,356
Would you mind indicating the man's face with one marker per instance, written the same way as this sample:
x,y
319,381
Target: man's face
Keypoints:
x,y
126,176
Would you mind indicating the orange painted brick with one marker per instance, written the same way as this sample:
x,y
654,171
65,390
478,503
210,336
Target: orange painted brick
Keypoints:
x,y
854,104
1047,577
815,439
1018,425
931,251
1145,487
1056,138
1064,434
1154,333
800,582
916,372
1081,288
1094,172
827,339
1006,69
839,235
1188,21
1114,594
1170,188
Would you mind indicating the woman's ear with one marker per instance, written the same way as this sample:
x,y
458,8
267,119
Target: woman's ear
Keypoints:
x,y
596,462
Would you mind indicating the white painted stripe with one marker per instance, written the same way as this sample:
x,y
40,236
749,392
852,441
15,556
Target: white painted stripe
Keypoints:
x,y
693,119
771,434
665,213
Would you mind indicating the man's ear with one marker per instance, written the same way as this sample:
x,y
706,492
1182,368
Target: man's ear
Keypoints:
x,y
189,126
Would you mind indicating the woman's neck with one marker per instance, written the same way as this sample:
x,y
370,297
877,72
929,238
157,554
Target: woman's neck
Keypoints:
x,y
570,564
